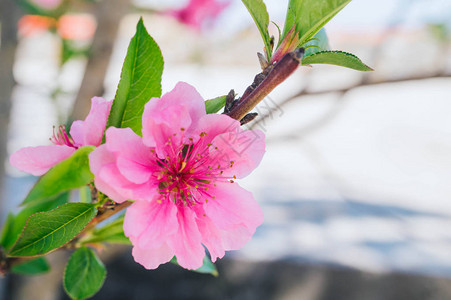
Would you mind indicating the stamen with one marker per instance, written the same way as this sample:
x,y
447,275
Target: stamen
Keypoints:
x,y
183,166
60,137
187,171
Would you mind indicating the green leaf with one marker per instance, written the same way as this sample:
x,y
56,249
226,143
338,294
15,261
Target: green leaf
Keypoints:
x,y
32,267
207,268
318,43
69,174
112,233
140,81
214,105
257,9
15,224
338,58
84,274
6,231
310,16
46,231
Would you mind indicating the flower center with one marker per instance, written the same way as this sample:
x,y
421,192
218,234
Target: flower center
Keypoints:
x,y
60,137
189,172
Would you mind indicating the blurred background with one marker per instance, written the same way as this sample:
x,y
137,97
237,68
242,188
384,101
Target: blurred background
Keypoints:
x,y
355,183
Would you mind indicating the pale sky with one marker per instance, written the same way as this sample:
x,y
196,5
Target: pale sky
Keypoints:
x,y
357,15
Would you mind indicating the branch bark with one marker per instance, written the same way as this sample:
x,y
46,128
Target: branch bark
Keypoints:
x,y
278,74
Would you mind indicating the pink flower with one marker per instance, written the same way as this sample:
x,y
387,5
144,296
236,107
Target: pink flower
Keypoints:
x,y
38,160
181,174
197,12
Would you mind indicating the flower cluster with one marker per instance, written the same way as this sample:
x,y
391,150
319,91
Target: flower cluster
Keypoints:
x,y
180,174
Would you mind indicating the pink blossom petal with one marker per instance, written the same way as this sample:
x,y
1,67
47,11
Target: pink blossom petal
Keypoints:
x,y
133,170
129,190
111,182
199,12
240,150
232,205
168,128
98,159
90,131
149,224
38,160
214,125
236,237
133,157
147,191
174,113
217,240
211,236
186,243
152,258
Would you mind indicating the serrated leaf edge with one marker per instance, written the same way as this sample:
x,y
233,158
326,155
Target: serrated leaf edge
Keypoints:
x,y
337,51
26,225
32,202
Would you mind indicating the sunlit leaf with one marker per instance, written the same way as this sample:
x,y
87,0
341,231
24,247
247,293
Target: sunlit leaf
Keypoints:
x,y
84,274
46,231
69,174
140,81
212,106
112,233
338,58
257,9
319,42
15,224
310,16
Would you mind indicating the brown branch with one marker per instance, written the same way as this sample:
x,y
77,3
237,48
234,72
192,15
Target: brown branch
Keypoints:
x,y
363,83
281,71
